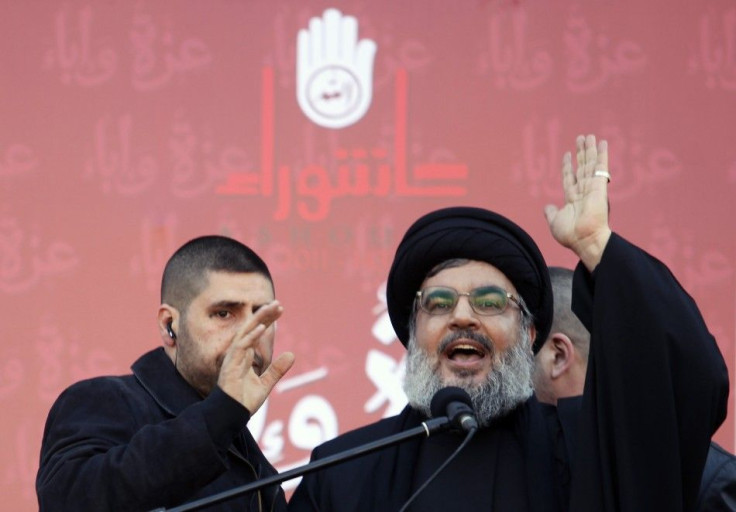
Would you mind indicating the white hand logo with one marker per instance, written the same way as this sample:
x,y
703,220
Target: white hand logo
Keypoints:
x,y
334,70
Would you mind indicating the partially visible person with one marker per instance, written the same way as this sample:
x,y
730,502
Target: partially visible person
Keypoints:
x,y
559,381
469,295
718,487
561,363
175,430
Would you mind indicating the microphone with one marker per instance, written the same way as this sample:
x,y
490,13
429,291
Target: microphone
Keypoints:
x,y
455,403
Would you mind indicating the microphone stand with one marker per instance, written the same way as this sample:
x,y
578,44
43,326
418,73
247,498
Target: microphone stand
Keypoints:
x,y
426,428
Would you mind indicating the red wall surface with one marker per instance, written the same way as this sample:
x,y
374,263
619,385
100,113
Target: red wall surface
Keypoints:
x,y
128,128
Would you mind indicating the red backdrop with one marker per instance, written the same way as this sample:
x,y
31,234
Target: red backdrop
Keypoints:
x,y
127,128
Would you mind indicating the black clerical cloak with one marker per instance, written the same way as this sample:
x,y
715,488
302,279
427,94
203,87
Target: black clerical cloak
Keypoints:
x,y
492,473
656,391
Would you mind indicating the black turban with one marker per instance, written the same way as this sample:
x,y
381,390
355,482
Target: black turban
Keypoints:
x,y
475,234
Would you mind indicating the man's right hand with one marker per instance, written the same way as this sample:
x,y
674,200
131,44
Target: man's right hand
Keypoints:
x,y
238,376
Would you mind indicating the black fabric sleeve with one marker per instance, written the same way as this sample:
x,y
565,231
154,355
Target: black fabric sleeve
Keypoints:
x,y
224,417
104,449
655,392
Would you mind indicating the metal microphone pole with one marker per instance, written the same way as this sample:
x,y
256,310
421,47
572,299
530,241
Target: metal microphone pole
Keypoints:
x,y
427,428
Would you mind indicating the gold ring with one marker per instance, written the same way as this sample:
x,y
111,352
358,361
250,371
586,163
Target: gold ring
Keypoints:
x,y
600,173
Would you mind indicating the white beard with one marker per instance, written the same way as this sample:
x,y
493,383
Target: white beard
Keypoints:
x,y
507,385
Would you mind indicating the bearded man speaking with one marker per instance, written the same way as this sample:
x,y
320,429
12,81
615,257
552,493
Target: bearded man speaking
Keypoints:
x,y
469,295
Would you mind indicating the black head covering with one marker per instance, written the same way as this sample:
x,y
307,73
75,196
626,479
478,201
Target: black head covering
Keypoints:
x,y
476,234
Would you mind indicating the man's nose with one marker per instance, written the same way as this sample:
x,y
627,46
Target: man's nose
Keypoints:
x,y
463,315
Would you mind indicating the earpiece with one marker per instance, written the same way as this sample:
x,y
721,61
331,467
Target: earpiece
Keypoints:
x,y
172,335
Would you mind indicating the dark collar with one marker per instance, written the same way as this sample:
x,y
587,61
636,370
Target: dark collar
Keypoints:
x,y
157,374
528,423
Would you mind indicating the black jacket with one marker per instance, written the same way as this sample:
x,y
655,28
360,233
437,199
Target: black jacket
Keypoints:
x,y
147,440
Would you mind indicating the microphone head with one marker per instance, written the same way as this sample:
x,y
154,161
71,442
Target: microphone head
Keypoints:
x,y
445,397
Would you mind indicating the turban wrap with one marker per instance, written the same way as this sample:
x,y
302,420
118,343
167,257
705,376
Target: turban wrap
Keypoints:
x,y
475,234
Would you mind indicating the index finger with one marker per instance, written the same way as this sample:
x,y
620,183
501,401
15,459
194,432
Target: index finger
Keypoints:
x,y
264,315
268,313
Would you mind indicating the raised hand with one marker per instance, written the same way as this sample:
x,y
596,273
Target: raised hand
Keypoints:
x,y
242,375
581,224
334,70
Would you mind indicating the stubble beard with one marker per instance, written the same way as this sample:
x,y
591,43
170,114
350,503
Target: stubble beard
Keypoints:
x,y
190,364
508,384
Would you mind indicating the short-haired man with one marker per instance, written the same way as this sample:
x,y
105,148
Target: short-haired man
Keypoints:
x,y
469,295
175,430
559,379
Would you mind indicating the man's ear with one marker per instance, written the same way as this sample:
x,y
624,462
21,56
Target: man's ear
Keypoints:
x,y
564,354
168,324
532,335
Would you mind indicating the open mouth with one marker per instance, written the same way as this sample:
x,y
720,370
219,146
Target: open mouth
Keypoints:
x,y
465,351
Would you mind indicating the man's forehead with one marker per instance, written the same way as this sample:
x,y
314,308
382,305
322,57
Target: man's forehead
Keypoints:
x,y
469,273
242,286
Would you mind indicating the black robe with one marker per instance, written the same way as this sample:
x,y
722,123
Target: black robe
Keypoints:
x,y
656,391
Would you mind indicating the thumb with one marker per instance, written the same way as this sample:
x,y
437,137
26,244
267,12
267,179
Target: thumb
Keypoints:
x,y
276,370
550,211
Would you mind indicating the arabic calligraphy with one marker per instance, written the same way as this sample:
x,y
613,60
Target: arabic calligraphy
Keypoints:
x,y
515,62
358,172
702,267
194,162
637,167
595,60
113,162
63,359
25,261
715,52
74,55
193,158
312,421
158,56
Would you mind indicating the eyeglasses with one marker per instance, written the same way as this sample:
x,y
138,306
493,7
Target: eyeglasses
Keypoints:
x,y
486,300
